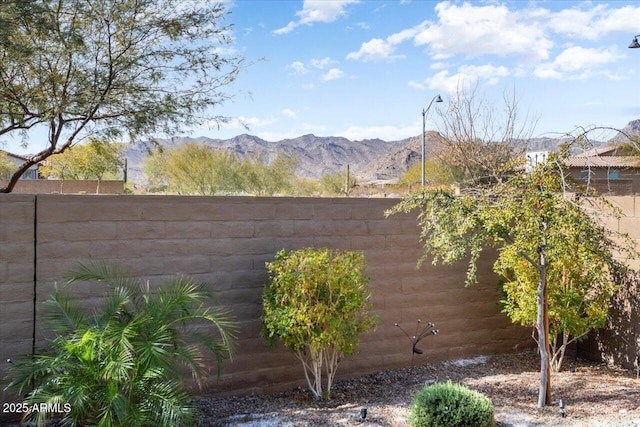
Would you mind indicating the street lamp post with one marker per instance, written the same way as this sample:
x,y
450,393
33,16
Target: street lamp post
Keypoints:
x,y
424,115
634,44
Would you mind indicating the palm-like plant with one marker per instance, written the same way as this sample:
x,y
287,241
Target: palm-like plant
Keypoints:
x,y
124,365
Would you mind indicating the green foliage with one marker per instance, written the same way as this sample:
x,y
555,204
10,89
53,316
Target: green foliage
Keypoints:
x,y
98,159
111,68
551,247
266,179
195,168
154,169
580,291
316,302
517,217
450,405
124,364
334,183
6,166
435,173
306,187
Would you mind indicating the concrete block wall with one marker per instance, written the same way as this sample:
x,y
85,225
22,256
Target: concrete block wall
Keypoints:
x,y
17,250
66,186
226,241
623,324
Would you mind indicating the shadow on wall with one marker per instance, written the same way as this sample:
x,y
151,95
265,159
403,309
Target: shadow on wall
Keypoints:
x,y
619,342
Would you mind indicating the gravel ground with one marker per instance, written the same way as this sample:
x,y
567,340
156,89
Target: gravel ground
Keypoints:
x,y
595,395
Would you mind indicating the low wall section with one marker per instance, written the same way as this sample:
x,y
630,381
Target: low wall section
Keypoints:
x,y
226,241
66,186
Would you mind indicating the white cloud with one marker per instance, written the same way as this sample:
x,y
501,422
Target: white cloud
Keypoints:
x,y
477,30
293,132
385,132
277,136
466,76
576,58
298,67
317,11
416,85
408,34
289,113
375,50
321,63
242,122
577,62
313,128
225,51
624,19
439,66
572,22
592,23
333,74
289,27
532,34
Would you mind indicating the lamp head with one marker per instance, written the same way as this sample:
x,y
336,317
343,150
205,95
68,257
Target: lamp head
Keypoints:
x,y
634,44
438,99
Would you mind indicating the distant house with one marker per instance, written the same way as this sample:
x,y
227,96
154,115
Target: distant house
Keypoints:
x,y
31,173
607,170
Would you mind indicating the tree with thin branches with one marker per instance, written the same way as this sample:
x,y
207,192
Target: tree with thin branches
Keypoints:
x,y
110,68
559,264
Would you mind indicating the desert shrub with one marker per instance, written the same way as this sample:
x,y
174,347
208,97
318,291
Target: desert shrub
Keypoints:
x,y
316,302
450,405
124,364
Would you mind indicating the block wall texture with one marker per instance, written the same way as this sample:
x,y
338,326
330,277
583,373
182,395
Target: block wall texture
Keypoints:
x,y
50,186
619,342
16,280
226,241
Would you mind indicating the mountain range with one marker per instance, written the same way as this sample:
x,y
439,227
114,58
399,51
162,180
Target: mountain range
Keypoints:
x,y
369,159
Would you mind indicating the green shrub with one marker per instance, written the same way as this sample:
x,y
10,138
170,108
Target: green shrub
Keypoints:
x,y
316,302
124,364
450,405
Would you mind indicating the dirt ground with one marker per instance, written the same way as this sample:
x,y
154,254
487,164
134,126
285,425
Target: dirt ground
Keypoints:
x,y
594,395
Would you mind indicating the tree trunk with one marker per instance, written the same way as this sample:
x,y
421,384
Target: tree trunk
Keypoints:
x,y
346,182
544,393
559,351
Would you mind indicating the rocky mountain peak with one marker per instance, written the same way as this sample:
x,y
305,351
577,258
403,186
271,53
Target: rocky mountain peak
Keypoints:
x,y
369,159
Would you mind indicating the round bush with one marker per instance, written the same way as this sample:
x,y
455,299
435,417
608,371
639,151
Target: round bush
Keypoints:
x,y
450,405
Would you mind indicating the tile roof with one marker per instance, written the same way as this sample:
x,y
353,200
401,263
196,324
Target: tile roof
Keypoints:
x,y
603,162
602,151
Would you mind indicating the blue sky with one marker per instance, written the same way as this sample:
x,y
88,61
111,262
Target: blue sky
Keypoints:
x,y
366,69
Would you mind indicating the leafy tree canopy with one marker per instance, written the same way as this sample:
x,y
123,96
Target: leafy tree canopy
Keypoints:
x,y
559,263
336,183
110,67
6,165
199,169
436,173
95,160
